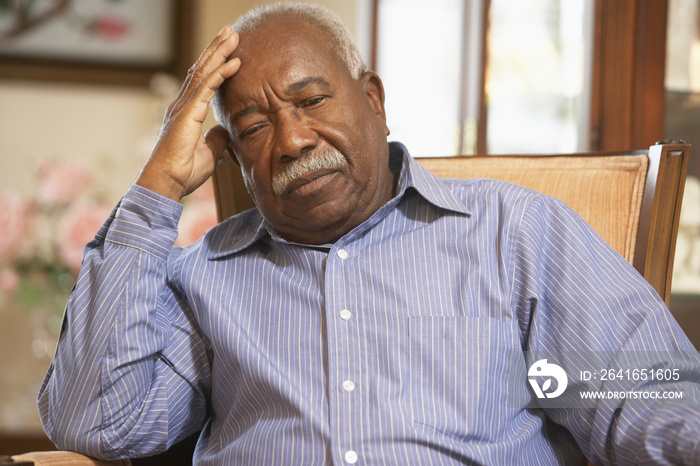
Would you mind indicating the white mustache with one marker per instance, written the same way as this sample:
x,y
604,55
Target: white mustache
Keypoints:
x,y
330,158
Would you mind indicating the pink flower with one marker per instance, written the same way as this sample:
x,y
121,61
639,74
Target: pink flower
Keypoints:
x,y
78,227
205,193
16,216
9,281
197,217
61,183
111,27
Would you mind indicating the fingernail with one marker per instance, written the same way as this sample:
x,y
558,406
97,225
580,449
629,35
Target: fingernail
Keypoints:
x,y
223,29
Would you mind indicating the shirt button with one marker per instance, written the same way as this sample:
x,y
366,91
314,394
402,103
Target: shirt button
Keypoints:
x,y
345,314
348,385
343,254
350,457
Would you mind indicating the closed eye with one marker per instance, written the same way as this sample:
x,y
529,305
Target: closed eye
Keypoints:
x,y
313,101
251,130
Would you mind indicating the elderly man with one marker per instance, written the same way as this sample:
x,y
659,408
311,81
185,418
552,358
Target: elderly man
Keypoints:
x,y
366,312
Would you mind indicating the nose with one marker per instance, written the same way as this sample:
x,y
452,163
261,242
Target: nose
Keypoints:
x,y
293,136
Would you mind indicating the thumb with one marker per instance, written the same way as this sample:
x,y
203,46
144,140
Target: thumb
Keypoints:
x,y
217,140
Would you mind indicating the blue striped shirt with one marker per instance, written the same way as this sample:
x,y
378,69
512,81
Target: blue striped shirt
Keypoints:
x,y
390,346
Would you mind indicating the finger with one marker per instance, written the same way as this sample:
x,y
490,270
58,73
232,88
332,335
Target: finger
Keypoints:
x,y
219,54
216,64
224,34
198,69
207,88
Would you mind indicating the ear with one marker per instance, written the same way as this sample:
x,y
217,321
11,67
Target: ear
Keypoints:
x,y
374,90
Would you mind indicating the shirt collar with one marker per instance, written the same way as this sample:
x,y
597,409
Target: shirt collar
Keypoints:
x,y
242,230
431,188
235,234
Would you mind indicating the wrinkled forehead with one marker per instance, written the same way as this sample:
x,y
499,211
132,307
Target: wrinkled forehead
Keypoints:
x,y
280,37
280,52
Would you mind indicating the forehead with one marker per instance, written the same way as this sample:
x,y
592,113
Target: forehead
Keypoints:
x,y
285,50
279,29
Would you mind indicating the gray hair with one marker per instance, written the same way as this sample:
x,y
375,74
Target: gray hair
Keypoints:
x,y
316,15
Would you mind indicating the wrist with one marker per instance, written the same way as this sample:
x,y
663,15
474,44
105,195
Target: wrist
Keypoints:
x,y
161,185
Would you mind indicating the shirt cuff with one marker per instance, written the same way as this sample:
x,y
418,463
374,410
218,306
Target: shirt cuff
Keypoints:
x,y
146,220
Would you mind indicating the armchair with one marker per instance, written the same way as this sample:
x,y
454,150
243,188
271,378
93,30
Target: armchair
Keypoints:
x,y
632,199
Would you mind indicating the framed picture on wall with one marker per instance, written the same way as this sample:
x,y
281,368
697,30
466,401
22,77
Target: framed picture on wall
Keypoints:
x,y
98,41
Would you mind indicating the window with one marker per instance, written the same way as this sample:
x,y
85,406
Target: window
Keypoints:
x,y
486,76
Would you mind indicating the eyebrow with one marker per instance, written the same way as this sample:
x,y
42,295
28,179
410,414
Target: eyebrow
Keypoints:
x,y
249,110
300,85
291,89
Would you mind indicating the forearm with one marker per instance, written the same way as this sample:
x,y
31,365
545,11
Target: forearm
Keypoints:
x,y
115,379
658,419
132,373
589,311
666,433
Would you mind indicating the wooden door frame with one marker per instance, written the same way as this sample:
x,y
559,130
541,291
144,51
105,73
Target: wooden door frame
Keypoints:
x,y
627,108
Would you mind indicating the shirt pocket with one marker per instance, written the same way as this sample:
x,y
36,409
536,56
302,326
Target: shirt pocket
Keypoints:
x,y
459,372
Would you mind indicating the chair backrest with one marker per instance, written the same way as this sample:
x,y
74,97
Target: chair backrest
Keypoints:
x,y
632,199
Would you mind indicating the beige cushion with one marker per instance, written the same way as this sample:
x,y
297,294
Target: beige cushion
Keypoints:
x,y
605,191
67,458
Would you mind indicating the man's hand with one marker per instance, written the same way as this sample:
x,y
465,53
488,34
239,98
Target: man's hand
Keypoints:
x,y
183,157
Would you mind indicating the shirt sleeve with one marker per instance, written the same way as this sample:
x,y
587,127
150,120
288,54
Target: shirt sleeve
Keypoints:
x,y
574,293
131,374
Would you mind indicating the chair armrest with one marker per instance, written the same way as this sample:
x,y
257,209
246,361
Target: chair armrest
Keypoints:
x,y
65,458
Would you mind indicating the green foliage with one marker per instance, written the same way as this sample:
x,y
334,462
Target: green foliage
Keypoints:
x,y
6,6
43,286
26,9
22,9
